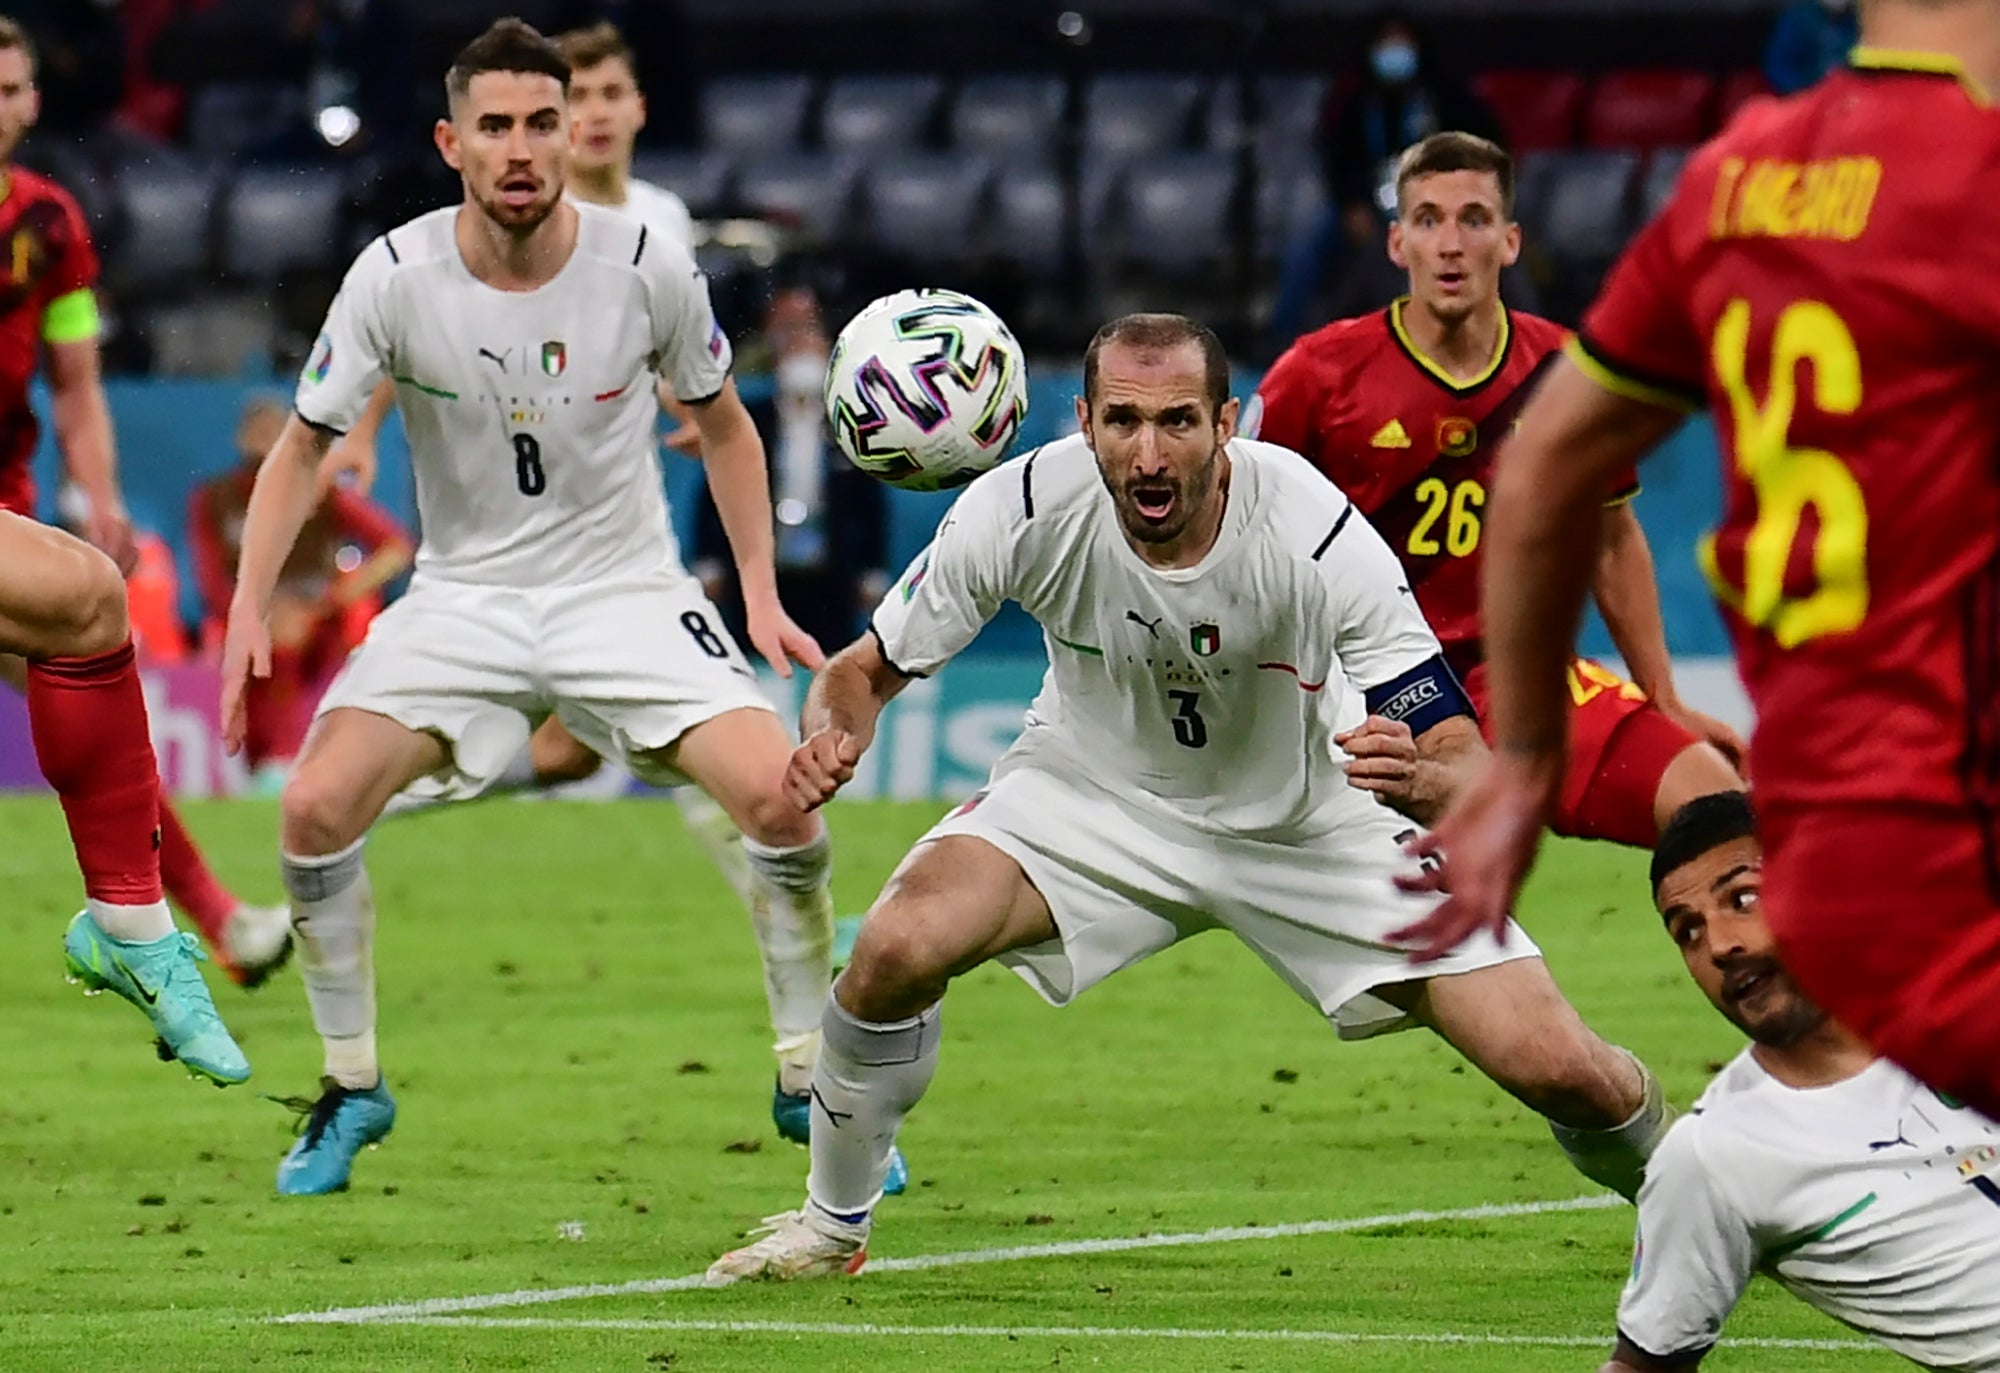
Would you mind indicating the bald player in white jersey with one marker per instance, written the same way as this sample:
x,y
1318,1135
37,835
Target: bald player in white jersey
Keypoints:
x,y
524,334
1854,1186
1216,616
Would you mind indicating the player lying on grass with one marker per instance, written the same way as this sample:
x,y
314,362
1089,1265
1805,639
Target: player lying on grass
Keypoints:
x,y
1215,614
1862,1191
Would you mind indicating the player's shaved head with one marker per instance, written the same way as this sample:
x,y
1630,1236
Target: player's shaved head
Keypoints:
x,y
510,45
1159,333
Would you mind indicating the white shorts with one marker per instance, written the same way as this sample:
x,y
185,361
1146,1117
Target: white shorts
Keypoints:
x,y
1124,883
628,666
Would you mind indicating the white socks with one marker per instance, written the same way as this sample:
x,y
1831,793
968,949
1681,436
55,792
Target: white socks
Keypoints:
x,y
132,924
333,915
717,836
791,908
869,1076
1616,1158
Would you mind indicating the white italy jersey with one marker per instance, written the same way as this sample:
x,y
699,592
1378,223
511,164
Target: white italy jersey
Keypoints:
x,y
1873,1200
660,210
1211,692
530,414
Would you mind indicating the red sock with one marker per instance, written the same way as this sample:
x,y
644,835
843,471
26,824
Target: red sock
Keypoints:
x,y
189,882
88,718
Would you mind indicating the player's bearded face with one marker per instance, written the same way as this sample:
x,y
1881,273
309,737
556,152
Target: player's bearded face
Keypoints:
x,y
1453,237
1711,910
1158,439
509,139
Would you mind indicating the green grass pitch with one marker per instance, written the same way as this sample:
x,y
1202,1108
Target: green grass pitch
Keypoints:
x,y
573,1025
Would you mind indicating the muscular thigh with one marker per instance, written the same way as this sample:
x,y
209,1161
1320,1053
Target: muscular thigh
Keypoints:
x,y
52,587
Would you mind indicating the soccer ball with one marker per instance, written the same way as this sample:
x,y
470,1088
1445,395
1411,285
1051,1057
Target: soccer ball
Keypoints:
x,y
926,389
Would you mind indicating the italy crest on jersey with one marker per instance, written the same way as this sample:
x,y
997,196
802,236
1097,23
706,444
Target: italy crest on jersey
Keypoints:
x,y
555,357
1204,640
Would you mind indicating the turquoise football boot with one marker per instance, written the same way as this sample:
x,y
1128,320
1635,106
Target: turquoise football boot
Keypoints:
x,y
792,1114
343,1122
160,978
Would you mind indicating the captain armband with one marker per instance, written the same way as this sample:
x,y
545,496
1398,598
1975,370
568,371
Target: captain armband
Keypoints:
x,y
1428,694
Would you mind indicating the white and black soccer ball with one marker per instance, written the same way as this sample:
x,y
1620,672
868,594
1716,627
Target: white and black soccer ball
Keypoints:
x,y
926,389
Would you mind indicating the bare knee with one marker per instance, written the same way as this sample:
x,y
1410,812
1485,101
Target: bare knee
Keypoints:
x,y
557,757
770,818
88,615
319,816
895,972
1696,771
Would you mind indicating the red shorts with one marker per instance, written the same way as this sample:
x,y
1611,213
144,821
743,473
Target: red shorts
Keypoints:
x,y
1620,748
1889,917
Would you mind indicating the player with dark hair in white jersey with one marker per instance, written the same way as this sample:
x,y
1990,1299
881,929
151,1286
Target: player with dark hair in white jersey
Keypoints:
x,y
607,111
1218,618
1852,1185
524,334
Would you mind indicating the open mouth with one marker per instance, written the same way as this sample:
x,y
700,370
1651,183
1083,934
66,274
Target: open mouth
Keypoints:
x,y
519,192
1451,281
598,142
1154,503
1746,983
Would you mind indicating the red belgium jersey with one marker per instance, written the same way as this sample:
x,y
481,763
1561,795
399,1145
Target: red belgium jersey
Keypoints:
x,y
1410,444
45,254
1827,281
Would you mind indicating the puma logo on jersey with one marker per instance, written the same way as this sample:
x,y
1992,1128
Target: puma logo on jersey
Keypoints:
x,y
1391,435
1152,626
497,359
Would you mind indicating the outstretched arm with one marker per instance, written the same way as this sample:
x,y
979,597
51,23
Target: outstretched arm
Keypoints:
x,y
839,719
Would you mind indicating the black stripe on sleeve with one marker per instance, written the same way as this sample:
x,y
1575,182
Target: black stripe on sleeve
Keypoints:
x,y
883,649
641,250
317,427
390,244
1334,532
1028,485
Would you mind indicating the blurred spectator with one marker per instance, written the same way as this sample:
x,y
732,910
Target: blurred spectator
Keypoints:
x,y
662,60
832,518
152,587
1370,117
328,592
1810,39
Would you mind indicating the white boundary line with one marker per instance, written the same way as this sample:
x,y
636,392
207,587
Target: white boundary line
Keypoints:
x,y
1090,1332
448,1306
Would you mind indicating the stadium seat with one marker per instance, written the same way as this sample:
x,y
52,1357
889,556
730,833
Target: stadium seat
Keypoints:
x,y
1737,90
1538,110
1288,111
700,179
1644,110
866,113
1577,205
1663,169
1100,180
165,215
810,191
755,114
1028,219
1009,116
1290,198
927,207
277,220
233,117
1134,115
1177,212
218,336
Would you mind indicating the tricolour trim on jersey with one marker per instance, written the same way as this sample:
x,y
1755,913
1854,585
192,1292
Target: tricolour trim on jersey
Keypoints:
x,y
1909,62
1501,348
1334,532
428,390
1792,1246
1623,380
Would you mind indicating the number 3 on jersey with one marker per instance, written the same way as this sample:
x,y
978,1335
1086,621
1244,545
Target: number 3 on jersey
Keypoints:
x,y
1190,730
528,473
1787,479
